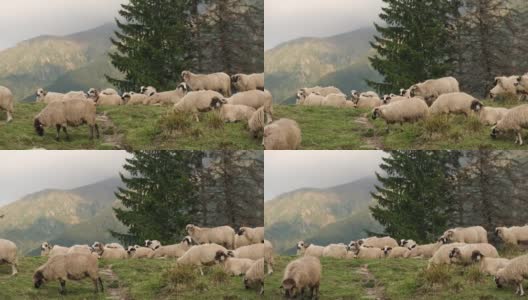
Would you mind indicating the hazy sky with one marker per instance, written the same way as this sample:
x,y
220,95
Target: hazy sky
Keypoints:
x,y
286,20
24,19
26,172
289,170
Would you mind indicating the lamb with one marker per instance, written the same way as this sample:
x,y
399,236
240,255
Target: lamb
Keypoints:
x,y
44,96
254,235
504,85
233,266
441,256
255,252
148,90
232,113
469,235
488,265
410,110
254,98
8,255
516,119
71,266
430,90
104,99
488,115
177,250
283,134
106,252
463,254
514,272
244,83
168,98
152,244
223,235
396,252
366,252
7,102
132,98
219,82
258,121
453,103
335,250
196,102
304,272
200,255
67,113
323,91
139,252
377,242
255,275
368,102
309,249
512,235
425,251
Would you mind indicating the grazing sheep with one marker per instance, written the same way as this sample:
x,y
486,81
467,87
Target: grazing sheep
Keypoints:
x,y
254,235
105,100
71,266
255,252
168,98
8,255
219,82
410,110
255,275
309,249
254,98
244,83
132,98
201,255
335,100
44,96
283,134
258,121
223,235
512,235
368,102
323,91
67,113
148,90
488,115
304,272
378,242
514,272
469,235
152,244
47,250
425,251
196,102
441,256
488,265
335,250
233,266
177,250
453,103
430,90
516,119
310,99
106,252
232,113
463,254
139,252
504,85
396,252
7,103
366,252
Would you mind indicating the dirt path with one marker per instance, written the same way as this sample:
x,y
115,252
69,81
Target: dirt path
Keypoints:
x,y
371,142
113,289
109,132
374,289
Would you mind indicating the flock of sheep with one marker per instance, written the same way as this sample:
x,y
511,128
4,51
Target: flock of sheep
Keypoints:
x,y
459,245
432,97
244,252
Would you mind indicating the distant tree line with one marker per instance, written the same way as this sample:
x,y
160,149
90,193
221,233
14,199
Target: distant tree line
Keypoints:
x,y
472,40
423,193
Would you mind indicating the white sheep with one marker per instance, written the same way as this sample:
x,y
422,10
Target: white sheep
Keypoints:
x,y
200,255
488,115
254,235
463,254
453,103
514,272
132,98
408,243
258,121
223,235
69,267
148,90
47,250
44,96
79,249
60,114
396,252
105,99
8,255
488,265
219,82
138,252
368,102
312,99
283,134
255,275
430,90
152,244
168,98
469,235
309,249
504,85
304,272
233,266
7,103
516,119
255,252
177,250
335,100
364,252
335,250
108,252
196,102
410,110
244,82
425,251
512,235
441,256
377,242
393,98
241,241
323,91
232,113
254,98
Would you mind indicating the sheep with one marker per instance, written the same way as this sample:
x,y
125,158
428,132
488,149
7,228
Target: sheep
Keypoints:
x,y
469,235
232,113
47,250
393,98
323,91
7,102
223,235
81,249
522,86
430,90
255,275
148,90
410,110
488,265
488,115
304,272
104,99
254,235
514,272
254,98
71,266
244,83
425,251
441,256
258,121
152,244
177,250
407,243
463,254
233,266
366,252
512,235
335,100
396,252
106,252
283,134
335,250
132,98
196,102
200,255
309,249
219,82
453,103
405,93
67,113
255,252
44,96
109,91
241,241
139,252
8,255
377,242
368,102
109,245
168,98
310,99
516,119
504,85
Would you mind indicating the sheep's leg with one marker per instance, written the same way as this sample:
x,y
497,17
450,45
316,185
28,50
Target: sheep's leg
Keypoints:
x,y
521,289
9,117
196,117
66,133
62,286
261,288
58,127
201,271
519,135
96,131
14,269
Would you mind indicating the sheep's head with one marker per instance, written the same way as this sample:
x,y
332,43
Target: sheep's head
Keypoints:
x,y
186,75
142,89
39,127
443,240
496,131
290,288
126,97
386,99
230,253
415,91
403,92
97,245
300,245
476,105
376,113
476,256
41,92
220,256
46,247
188,240
387,250
131,250
500,280
241,231
148,243
355,95
216,102
38,279
498,231
189,228
455,253
93,93
403,242
184,87
236,78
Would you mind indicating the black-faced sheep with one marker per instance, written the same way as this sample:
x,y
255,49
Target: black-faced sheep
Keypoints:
x,y
514,272
6,102
304,272
168,98
469,235
177,250
283,134
254,235
396,252
223,235
488,115
105,99
201,255
453,103
512,235
430,90
232,113
516,119
219,82
196,102
244,83
309,249
463,254
488,265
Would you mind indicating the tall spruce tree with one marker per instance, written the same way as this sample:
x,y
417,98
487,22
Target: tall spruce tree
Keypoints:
x,y
414,198
414,44
153,44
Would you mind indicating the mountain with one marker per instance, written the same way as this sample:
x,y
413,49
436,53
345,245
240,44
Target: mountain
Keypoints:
x,y
340,60
67,217
335,214
59,63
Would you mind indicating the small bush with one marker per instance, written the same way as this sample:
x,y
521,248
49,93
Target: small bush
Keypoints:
x,y
218,275
510,251
181,275
436,124
214,121
436,274
175,122
474,275
473,124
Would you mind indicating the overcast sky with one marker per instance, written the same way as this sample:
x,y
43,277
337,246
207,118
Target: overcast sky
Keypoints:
x,y
24,19
286,20
286,171
26,172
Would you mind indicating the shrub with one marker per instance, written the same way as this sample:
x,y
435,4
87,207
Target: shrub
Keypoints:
x,y
175,122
